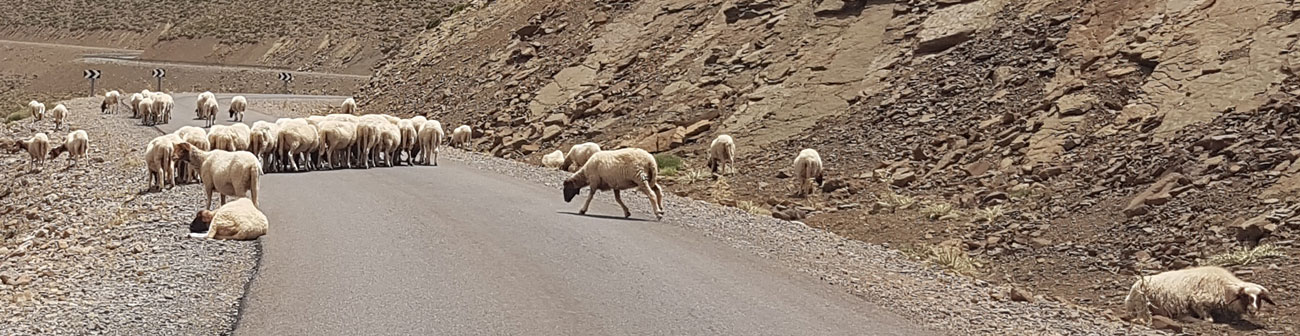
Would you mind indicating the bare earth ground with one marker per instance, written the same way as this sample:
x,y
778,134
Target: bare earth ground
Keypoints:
x,y
86,252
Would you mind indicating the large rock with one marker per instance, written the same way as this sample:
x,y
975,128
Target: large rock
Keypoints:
x,y
698,127
550,132
950,26
663,141
1157,194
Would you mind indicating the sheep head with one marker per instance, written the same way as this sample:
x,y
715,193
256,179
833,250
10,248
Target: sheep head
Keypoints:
x,y
1250,295
202,221
54,153
184,151
820,179
103,106
573,185
12,145
713,165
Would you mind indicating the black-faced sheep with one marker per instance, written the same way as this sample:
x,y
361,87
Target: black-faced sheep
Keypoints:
x,y
1200,291
237,220
618,170
75,144
722,154
553,160
111,100
229,173
197,138
238,105
430,139
578,156
37,147
808,165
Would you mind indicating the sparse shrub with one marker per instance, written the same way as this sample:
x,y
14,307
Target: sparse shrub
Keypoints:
x,y
670,171
953,258
667,161
695,175
753,208
939,211
1244,256
897,202
990,214
720,190
433,23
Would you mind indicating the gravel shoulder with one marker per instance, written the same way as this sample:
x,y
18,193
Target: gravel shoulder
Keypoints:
x,y
87,252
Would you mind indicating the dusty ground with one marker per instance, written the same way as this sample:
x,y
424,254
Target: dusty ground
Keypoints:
x,y
86,251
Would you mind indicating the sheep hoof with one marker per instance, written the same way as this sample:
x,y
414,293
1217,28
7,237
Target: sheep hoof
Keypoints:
x,y
627,215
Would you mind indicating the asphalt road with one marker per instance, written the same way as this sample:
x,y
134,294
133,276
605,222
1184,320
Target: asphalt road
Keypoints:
x,y
454,250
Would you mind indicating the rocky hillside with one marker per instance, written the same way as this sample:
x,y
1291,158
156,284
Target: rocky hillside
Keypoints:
x,y
1065,146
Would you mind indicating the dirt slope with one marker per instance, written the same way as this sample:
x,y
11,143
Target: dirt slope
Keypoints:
x,y
1112,137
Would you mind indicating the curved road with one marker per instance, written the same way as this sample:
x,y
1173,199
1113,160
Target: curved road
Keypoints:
x,y
452,250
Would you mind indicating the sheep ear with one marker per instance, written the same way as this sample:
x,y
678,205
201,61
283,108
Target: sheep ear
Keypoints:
x,y
1266,299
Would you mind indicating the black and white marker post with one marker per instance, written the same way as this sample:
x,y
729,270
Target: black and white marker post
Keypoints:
x,y
92,75
286,77
159,74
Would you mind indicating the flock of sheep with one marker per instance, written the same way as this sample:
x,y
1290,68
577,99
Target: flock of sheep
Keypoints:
x,y
40,147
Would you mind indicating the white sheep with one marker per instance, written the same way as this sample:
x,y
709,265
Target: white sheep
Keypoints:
x,y
350,106
199,139
261,142
229,173
238,220
408,136
241,132
222,137
460,136
145,109
337,137
722,154
158,161
418,123
1201,291
57,114
808,165
238,105
553,160
201,110
343,117
578,156
390,143
37,148
208,112
135,104
430,138
162,104
295,141
111,100
38,111
618,170
76,144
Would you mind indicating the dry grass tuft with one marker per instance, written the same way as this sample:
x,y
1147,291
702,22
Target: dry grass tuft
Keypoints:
x,y
1244,256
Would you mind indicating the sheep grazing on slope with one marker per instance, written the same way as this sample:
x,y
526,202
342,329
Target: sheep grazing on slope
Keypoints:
x,y
201,105
261,142
134,103
460,136
430,138
111,99
145,109
38,111
350,106
408,135
553,160
37,148
229,173
57,114
578,156
618,170
75,144
722,154
808,165
1200,291
162,104
197,138
238,105
158,161
237,220
337,138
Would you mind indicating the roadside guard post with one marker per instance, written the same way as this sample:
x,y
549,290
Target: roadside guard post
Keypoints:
x,y
159,73
92,75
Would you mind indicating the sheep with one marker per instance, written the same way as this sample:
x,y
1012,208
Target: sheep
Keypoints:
x,y
111,99
295,139
1201,291
261,142
460,136
222,137
343,117
229,173
578,156
807,165
408,136
135,104
158,159
38,111
430,137
196,137
241,132
618,170
237,220
57,114
162,104
237,106
390,143
722,154
201,110
337,137
418,123
553,160
350,106
37,147
145,109
75,144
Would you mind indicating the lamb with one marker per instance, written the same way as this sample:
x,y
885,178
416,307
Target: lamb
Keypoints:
x,y
196,137
110,102
38,111
430,138
617,170
201,110
238,105
162,104
350,106
578,156
261,142
337,137
408,136
230,173
37,147
722,154
242,133
237,220
460,136
553,160
75,144
135,104
158,159
222,137
807,165
297,139
57,115
145,109
1201,291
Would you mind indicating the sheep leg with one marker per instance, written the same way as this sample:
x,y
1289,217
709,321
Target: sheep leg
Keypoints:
x,y
588,203
619,198
659,197
208,190
223,200
646,189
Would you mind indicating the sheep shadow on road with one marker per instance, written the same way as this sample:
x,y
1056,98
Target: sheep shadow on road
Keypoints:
x,y
618,218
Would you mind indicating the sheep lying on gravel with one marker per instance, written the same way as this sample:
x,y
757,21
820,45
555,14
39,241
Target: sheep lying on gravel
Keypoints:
x,y
201,105
808,165
197,138
75,144
1200,291
237,106
134,103
722,154
237,220
261,142
57,114
350,106
460,136
110,102
38,111
162,104
229,173
430,138
617,170
158,161
553,160
578,156
37,148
